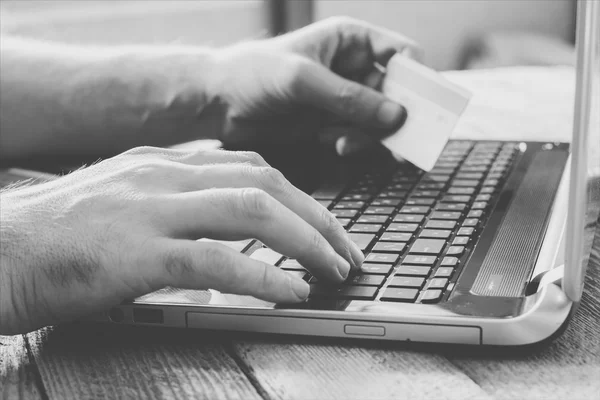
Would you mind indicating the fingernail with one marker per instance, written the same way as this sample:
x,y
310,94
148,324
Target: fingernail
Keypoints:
x,y
357,255
300,288
391,115
343,267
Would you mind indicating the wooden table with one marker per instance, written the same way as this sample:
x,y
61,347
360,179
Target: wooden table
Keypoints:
x,y
81,361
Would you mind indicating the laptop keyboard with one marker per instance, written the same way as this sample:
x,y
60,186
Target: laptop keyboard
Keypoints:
x,y
416,229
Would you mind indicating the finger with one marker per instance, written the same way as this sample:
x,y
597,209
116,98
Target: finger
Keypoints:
x,y
195,157
197,265
320,87
350,145
234,214
275,184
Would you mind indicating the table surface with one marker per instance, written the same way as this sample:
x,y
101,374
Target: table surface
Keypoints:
x,y
82,361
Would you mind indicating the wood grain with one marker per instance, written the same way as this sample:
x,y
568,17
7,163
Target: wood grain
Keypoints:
x,y
17,373
305,368
105,362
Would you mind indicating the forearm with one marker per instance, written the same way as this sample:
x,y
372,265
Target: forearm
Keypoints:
x,y
57,99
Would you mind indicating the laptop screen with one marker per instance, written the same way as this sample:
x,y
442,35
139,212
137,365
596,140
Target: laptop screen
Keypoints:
x,y
584,201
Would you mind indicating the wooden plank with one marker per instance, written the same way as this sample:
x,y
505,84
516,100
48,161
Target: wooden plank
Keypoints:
x,y
311,368
569,368
17,373
83,361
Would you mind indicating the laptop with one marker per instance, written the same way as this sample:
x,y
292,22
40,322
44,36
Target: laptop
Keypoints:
x,y
488,248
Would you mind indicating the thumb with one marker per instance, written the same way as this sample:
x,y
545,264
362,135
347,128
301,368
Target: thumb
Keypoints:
x,y
351,101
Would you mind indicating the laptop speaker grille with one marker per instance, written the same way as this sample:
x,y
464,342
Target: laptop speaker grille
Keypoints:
x,y
512,255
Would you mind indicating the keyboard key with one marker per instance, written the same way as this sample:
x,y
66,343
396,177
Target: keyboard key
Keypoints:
x,y
487,190
292,265
340,213
372,219
401,227
475,214
483,197
345,222
431,296
385,258
461,190
436,178
329,192
479,205
365,280
412,270
365,228
413,218
469,175
386,202
455,250
358,292
465,231
379,210
399,186
434,186
415,209
354,205
426,193
470,222
396,237
443,272
451,215
419,201
440,224
435,234
393,194
397,294
461,240
391,247
437,283
449,261
450,207
465,182
452,198
407,281
267,256
362,240
427,246
381,269
358,196
419,260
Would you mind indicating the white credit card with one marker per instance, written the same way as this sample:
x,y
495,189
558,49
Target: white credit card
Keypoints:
x,y
434,105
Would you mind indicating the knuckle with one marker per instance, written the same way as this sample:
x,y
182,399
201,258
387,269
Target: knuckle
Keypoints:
x,y
256,203
272,179
348,97
296,71
330,223
342,21
178,262
252,157
141,150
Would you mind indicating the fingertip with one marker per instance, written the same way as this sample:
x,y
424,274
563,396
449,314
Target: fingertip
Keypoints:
x,y
391,115
300,287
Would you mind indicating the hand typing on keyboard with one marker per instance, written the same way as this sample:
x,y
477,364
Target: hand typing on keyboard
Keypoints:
x,y
121,228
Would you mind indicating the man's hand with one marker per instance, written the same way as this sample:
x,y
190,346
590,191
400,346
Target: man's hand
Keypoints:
x,y
320,78
127,226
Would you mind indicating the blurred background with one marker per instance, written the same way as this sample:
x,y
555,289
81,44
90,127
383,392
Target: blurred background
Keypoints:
x,y
456,34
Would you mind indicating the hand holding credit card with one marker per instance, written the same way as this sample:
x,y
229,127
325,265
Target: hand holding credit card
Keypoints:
x,y
434,105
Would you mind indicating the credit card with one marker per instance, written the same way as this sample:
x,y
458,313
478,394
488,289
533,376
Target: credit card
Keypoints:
x,y
434,105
